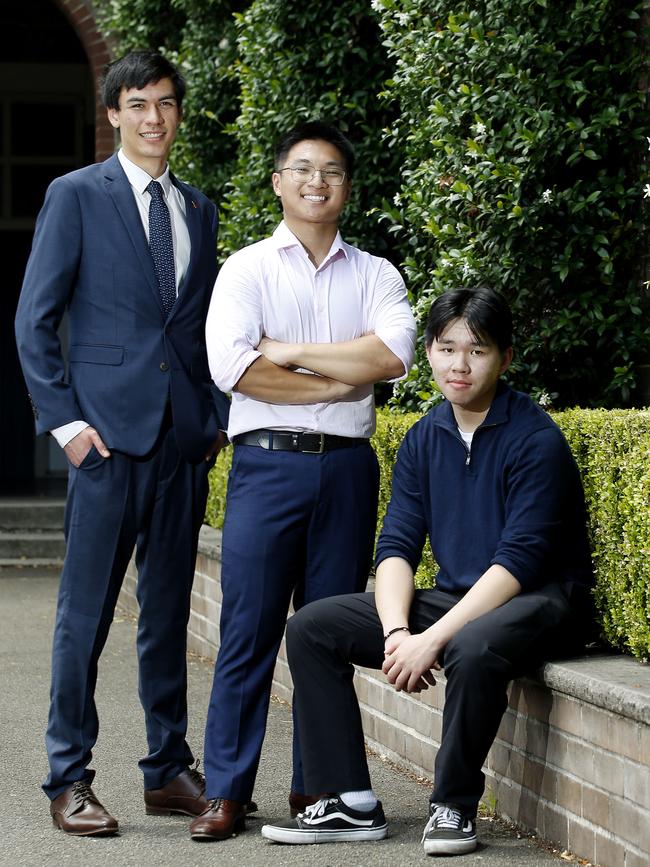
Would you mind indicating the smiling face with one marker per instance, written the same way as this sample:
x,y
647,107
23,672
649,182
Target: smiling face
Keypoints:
x,y
312,200
467,370
147,119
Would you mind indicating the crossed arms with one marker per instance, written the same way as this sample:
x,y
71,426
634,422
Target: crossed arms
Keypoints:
x,y
341,367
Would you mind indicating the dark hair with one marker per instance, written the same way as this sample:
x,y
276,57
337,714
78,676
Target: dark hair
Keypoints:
x,y
138,69
315,130
485,312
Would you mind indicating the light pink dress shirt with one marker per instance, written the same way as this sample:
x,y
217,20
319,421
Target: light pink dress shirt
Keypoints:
x,y
272,289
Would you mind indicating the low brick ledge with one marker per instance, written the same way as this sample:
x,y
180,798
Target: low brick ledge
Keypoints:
x,y
571,761
613,682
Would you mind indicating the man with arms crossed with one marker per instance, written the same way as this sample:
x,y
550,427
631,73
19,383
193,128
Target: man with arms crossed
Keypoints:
x,y
489,477
300,326
129,251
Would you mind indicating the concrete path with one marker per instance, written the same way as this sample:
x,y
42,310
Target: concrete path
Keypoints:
x,y
27,838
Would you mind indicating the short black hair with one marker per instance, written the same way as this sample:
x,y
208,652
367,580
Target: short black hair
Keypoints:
x,y
486,313
311,130
138,69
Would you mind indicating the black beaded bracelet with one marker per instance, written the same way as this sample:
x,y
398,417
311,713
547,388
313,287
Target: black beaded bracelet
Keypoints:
x,y
397,629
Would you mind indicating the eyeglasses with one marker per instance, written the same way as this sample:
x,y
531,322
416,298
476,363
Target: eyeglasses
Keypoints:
x,y
303,173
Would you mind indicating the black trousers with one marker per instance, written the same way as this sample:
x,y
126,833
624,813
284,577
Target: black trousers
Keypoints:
x,y
327,637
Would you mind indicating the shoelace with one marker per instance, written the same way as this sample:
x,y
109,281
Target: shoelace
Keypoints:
x,y
317,809
82,793
196,775
443,817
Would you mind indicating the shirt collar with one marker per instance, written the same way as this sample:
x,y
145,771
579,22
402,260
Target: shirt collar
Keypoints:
x,y
284,238
138,178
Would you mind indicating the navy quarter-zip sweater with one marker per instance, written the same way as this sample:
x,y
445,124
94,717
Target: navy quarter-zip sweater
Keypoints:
x,y
515,500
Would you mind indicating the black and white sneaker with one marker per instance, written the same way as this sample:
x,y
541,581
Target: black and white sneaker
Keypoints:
x,y
448,831
329,821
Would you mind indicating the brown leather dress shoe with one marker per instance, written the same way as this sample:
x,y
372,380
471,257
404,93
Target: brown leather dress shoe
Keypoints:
x,y
221,820
297,803
77,811
184,795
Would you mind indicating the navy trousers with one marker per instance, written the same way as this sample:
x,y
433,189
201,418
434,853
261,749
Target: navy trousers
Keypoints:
x,y
297,525
326,638
155,503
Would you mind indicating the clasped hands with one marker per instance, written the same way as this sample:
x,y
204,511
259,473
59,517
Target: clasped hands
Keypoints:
x,y
410,661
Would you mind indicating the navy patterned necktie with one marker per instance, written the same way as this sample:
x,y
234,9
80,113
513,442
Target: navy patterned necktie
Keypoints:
x,y
161,245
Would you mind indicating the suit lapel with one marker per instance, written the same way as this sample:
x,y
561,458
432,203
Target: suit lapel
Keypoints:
x,y
119,190
193,222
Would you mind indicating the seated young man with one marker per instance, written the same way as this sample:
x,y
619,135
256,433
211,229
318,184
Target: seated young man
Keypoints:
x,y
489,477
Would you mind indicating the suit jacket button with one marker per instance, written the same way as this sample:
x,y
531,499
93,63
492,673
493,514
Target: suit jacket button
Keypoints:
x,y
164,366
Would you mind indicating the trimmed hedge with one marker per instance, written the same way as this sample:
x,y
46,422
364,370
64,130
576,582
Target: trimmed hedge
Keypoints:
x,y
612,449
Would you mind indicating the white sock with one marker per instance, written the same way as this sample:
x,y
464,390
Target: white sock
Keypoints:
x,y
363,801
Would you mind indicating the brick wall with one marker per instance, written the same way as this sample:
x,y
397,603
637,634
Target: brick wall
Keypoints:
x,y
571,761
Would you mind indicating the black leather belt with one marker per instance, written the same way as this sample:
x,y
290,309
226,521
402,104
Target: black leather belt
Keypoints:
x,y
297,441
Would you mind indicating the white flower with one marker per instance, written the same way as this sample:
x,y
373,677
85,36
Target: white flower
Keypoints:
x,y
397,199
646,191
224,44
403,18
466,168
547,196
466,270
648,138
480,128
377,5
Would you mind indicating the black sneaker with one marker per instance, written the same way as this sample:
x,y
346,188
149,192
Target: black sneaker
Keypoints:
x,y
329,821
448,831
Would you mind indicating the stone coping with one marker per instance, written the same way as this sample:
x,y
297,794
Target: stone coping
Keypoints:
x,y
615,682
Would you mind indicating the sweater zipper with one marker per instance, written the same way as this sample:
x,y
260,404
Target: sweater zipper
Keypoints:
x,y
468,459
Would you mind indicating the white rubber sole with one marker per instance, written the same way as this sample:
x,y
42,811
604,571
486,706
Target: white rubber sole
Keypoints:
x,y
305,838
449,847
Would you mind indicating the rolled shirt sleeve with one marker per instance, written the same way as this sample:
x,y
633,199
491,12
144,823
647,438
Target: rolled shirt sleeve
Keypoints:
x,y
234,322
393,321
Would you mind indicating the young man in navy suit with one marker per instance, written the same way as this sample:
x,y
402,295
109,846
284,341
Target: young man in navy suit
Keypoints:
x,y
133,264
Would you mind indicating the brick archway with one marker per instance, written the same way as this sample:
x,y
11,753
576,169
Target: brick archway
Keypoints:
x,y
81,15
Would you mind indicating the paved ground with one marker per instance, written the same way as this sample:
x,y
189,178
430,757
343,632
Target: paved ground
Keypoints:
x,y
27,600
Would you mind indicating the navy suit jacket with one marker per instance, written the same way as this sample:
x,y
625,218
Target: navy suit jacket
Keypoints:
x,y
90,255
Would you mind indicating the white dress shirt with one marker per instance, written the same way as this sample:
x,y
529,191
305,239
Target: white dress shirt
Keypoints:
x,y
272,289
139,180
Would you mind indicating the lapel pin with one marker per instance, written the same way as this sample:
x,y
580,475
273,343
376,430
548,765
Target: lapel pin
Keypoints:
x,y
194,205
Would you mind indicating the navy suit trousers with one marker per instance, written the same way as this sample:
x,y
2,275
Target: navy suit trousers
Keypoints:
x,y
297,525
155,503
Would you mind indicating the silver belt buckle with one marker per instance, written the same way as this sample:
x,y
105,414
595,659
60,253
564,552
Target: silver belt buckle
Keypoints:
x,y
320,449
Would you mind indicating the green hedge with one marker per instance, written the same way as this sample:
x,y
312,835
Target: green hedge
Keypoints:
x,y
301,62
500,142
612,449
522,125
